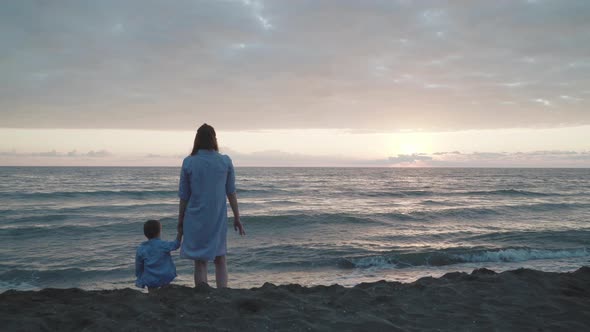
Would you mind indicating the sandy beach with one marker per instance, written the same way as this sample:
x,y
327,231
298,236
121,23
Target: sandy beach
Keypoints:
x,y
518,300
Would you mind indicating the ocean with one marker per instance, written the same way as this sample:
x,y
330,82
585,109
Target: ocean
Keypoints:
x,y
65,227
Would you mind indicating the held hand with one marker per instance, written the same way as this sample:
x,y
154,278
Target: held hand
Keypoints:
x,y
179,230
238,227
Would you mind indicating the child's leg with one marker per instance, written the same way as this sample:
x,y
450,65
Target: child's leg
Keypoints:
x,y
200,272
220,271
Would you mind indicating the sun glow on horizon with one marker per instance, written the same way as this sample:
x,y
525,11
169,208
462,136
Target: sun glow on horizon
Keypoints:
x,y
315,147
411,143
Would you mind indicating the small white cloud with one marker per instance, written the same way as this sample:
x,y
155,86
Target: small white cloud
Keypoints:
x,y
436,86
542,101
264,22
514,84
579,64
570,98
255,5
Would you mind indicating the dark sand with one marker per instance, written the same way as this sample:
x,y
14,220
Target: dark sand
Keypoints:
x,y
519,300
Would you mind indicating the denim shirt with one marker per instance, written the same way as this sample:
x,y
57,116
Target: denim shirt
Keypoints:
x,y
153,264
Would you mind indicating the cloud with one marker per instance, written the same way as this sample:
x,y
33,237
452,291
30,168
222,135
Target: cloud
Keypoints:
x,y
277,158
282,158
52,153
98,154
554,158
409,158
246,65
8,153
164,156
445,153
55,154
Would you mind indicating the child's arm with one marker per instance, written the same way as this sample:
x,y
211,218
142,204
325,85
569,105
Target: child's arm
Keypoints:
x,y
173,245
138,264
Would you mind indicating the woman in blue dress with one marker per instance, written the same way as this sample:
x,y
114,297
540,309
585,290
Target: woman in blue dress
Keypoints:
x,y
206,179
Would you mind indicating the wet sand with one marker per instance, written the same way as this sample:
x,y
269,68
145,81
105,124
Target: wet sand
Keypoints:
x,y
519,300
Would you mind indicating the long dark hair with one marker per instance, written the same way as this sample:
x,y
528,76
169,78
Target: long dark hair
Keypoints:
x,y
205,139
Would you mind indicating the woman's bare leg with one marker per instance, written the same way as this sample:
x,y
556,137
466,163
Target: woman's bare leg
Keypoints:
x,y
200,272
220,272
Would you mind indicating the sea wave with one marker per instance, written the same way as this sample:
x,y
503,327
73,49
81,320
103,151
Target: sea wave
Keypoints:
x,y
124,214
540,237
420,193
483,211
48,214
82,222
506,192
260,191
398,193
137,194
66,276
449,257
301,219
121,194
78,227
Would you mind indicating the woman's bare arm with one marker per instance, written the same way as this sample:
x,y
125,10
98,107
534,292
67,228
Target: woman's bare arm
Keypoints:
x,y
233,202
181,210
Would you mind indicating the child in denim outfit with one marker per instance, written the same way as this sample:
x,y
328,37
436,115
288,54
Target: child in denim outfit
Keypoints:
x,y
154,267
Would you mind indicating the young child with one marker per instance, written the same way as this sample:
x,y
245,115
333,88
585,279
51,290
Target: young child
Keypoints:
x,y
154,267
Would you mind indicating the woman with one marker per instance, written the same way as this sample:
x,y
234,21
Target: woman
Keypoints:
x,y
206,178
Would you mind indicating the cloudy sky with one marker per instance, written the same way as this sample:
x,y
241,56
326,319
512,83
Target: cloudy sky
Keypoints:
x,y
296,82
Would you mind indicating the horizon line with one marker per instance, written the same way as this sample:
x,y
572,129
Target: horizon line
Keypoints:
x,y
352,167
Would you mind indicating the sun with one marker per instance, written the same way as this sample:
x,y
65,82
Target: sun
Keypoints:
x,y
408,148
411,143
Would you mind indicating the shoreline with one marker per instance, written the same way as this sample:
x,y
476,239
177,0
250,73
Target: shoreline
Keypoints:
x,y
515,300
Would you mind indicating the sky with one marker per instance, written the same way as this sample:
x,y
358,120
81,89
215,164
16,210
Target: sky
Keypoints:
x,y
296,82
